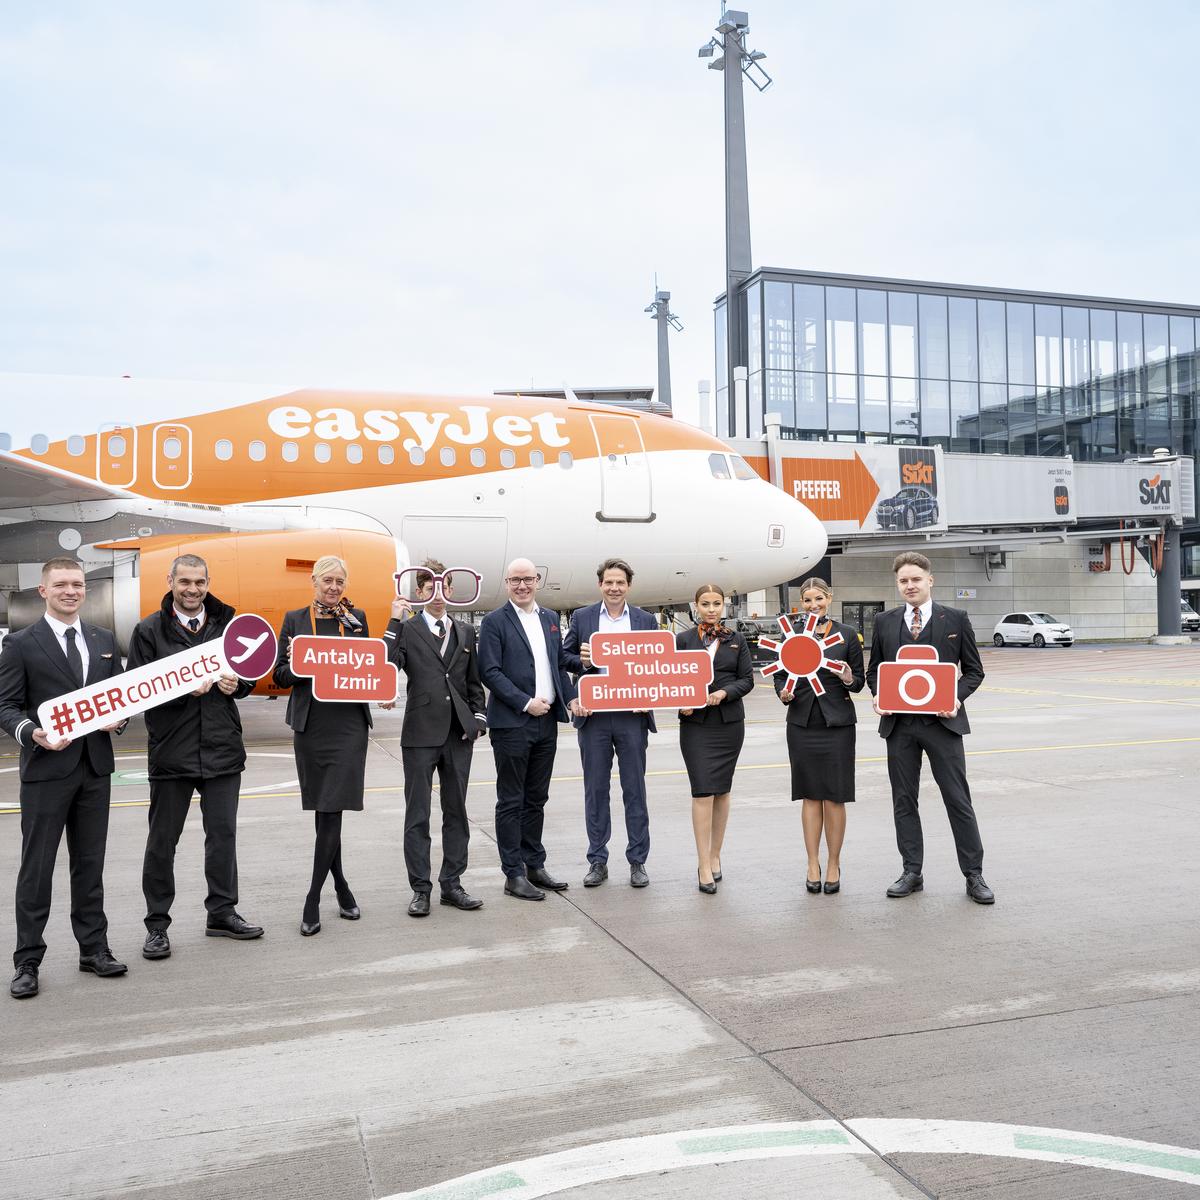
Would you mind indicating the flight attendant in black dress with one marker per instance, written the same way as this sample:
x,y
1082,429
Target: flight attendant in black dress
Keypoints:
x,y
820,738
329,738
710,738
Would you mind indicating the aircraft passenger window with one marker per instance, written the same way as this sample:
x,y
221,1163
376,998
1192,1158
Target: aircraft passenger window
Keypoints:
x,y
116,445
447,456
478,457
172,447
537,458
416,456
565,460
290,451
508,458
719,466
742,469
223,449
387,455
76,445
39,443
258,450
322,452
354,453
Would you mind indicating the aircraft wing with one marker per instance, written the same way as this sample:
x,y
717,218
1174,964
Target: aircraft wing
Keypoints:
x,y
26,483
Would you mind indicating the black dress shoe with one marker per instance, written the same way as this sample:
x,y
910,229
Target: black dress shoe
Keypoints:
x,y
638,876
25,981
157,944
459,898
515,885
349,912
418,906
232,926
543,879
979,891
102,963
908,883
597,873
709,889
308,928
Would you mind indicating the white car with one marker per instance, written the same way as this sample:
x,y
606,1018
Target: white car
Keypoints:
x,y
1032,629
1189,618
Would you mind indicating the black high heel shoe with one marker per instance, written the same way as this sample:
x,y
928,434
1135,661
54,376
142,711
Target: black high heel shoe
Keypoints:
x,y
709,889
832,888
813,886
717,875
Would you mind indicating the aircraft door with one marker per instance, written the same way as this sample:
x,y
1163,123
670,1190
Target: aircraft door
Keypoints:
x,y
172,456
116,455
625,489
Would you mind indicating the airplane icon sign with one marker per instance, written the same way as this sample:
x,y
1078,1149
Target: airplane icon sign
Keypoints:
x,y
249,646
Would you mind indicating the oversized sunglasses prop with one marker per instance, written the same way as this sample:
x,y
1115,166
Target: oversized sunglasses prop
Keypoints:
x,y
459,586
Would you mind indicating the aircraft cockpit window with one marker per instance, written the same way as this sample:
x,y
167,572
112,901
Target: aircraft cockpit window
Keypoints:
x,y
742,469
39,443
5,441
321,452
387,455
223,449
478,456
537,459
116,445
353,453
718,464
257,450
508,458
290,451
565,460
76,445
416,456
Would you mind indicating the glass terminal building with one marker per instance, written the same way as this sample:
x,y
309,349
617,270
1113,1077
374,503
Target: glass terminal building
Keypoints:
x,y
976,370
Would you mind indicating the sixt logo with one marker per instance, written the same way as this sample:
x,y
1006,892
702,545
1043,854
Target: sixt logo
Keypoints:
x,y
1155,491
916,473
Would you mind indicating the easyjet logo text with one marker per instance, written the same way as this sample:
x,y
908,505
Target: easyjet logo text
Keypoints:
x,y
472,425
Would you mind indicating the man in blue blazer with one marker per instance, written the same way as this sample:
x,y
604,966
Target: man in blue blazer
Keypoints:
x,y
602,734
522,664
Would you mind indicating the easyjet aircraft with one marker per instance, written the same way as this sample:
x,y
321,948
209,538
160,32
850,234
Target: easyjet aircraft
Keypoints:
x,y
262,488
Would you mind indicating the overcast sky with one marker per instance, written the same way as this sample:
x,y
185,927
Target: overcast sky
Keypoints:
x,y
459,197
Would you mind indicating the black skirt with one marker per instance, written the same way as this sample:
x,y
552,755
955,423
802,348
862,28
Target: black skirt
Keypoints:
x,y
822,758
331,757
710,750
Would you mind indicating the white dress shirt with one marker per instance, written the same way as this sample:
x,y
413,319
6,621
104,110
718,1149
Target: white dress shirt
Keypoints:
x,y
59,629
543,676
618,624
183,618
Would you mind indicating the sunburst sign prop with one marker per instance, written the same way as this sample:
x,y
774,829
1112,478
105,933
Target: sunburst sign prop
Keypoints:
x,y
802,653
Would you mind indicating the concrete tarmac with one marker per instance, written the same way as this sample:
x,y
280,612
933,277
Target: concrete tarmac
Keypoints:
x,y
762,1041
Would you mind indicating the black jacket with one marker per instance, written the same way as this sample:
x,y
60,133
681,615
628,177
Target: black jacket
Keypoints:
x,y
191,737
299,621
733,672
836,706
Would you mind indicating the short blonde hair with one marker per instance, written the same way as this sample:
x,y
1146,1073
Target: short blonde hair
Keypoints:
x,y
327,563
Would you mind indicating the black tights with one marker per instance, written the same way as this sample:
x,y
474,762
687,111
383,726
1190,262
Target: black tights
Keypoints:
x,y
327,860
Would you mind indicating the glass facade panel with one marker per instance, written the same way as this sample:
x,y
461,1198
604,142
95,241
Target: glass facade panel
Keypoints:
x,y
964,340
1075,346
1182,374
781,397
809,303
993,342
935,354
1022,420
993,418
872,332
902,329
843,402
1047,345
839,334
721,388
778,312
754,396
964,417
1155,334
875,416
1020,343
810,401
935,409
906,412
754,328
1104,343
1129,341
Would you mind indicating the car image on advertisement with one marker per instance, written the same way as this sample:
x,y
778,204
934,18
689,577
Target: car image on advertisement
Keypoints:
x,y
909,508
1032,629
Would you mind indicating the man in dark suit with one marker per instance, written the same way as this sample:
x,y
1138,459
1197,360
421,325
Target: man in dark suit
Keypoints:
x,y
522,664
443,715
64,785
195,745
602,734
940,737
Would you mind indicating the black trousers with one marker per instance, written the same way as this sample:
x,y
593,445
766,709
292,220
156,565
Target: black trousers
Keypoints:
x,y
170,802
948,761
78,805
452,761
524,763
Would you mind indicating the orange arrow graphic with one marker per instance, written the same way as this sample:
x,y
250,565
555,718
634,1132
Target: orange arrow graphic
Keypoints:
x,y
835,489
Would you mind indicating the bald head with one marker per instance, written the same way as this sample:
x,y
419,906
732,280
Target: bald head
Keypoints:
x,y
521,579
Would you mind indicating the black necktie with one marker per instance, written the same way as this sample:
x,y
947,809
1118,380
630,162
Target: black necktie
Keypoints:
x,y
194,624
74,661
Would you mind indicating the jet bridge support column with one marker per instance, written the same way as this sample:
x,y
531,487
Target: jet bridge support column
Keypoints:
x,y
1168,585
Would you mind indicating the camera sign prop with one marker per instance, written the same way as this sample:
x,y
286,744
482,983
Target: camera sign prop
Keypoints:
x,y
644,670
802,654
345,670
917,682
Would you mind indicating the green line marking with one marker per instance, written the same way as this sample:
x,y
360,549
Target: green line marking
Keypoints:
x,y
1186,1164
476,1189
763,1140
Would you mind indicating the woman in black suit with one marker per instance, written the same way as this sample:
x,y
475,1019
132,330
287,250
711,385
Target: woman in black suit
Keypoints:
x,y
711,737
329,738
820,738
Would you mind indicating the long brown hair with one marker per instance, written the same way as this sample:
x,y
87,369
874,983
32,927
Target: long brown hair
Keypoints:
x,y
708,587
